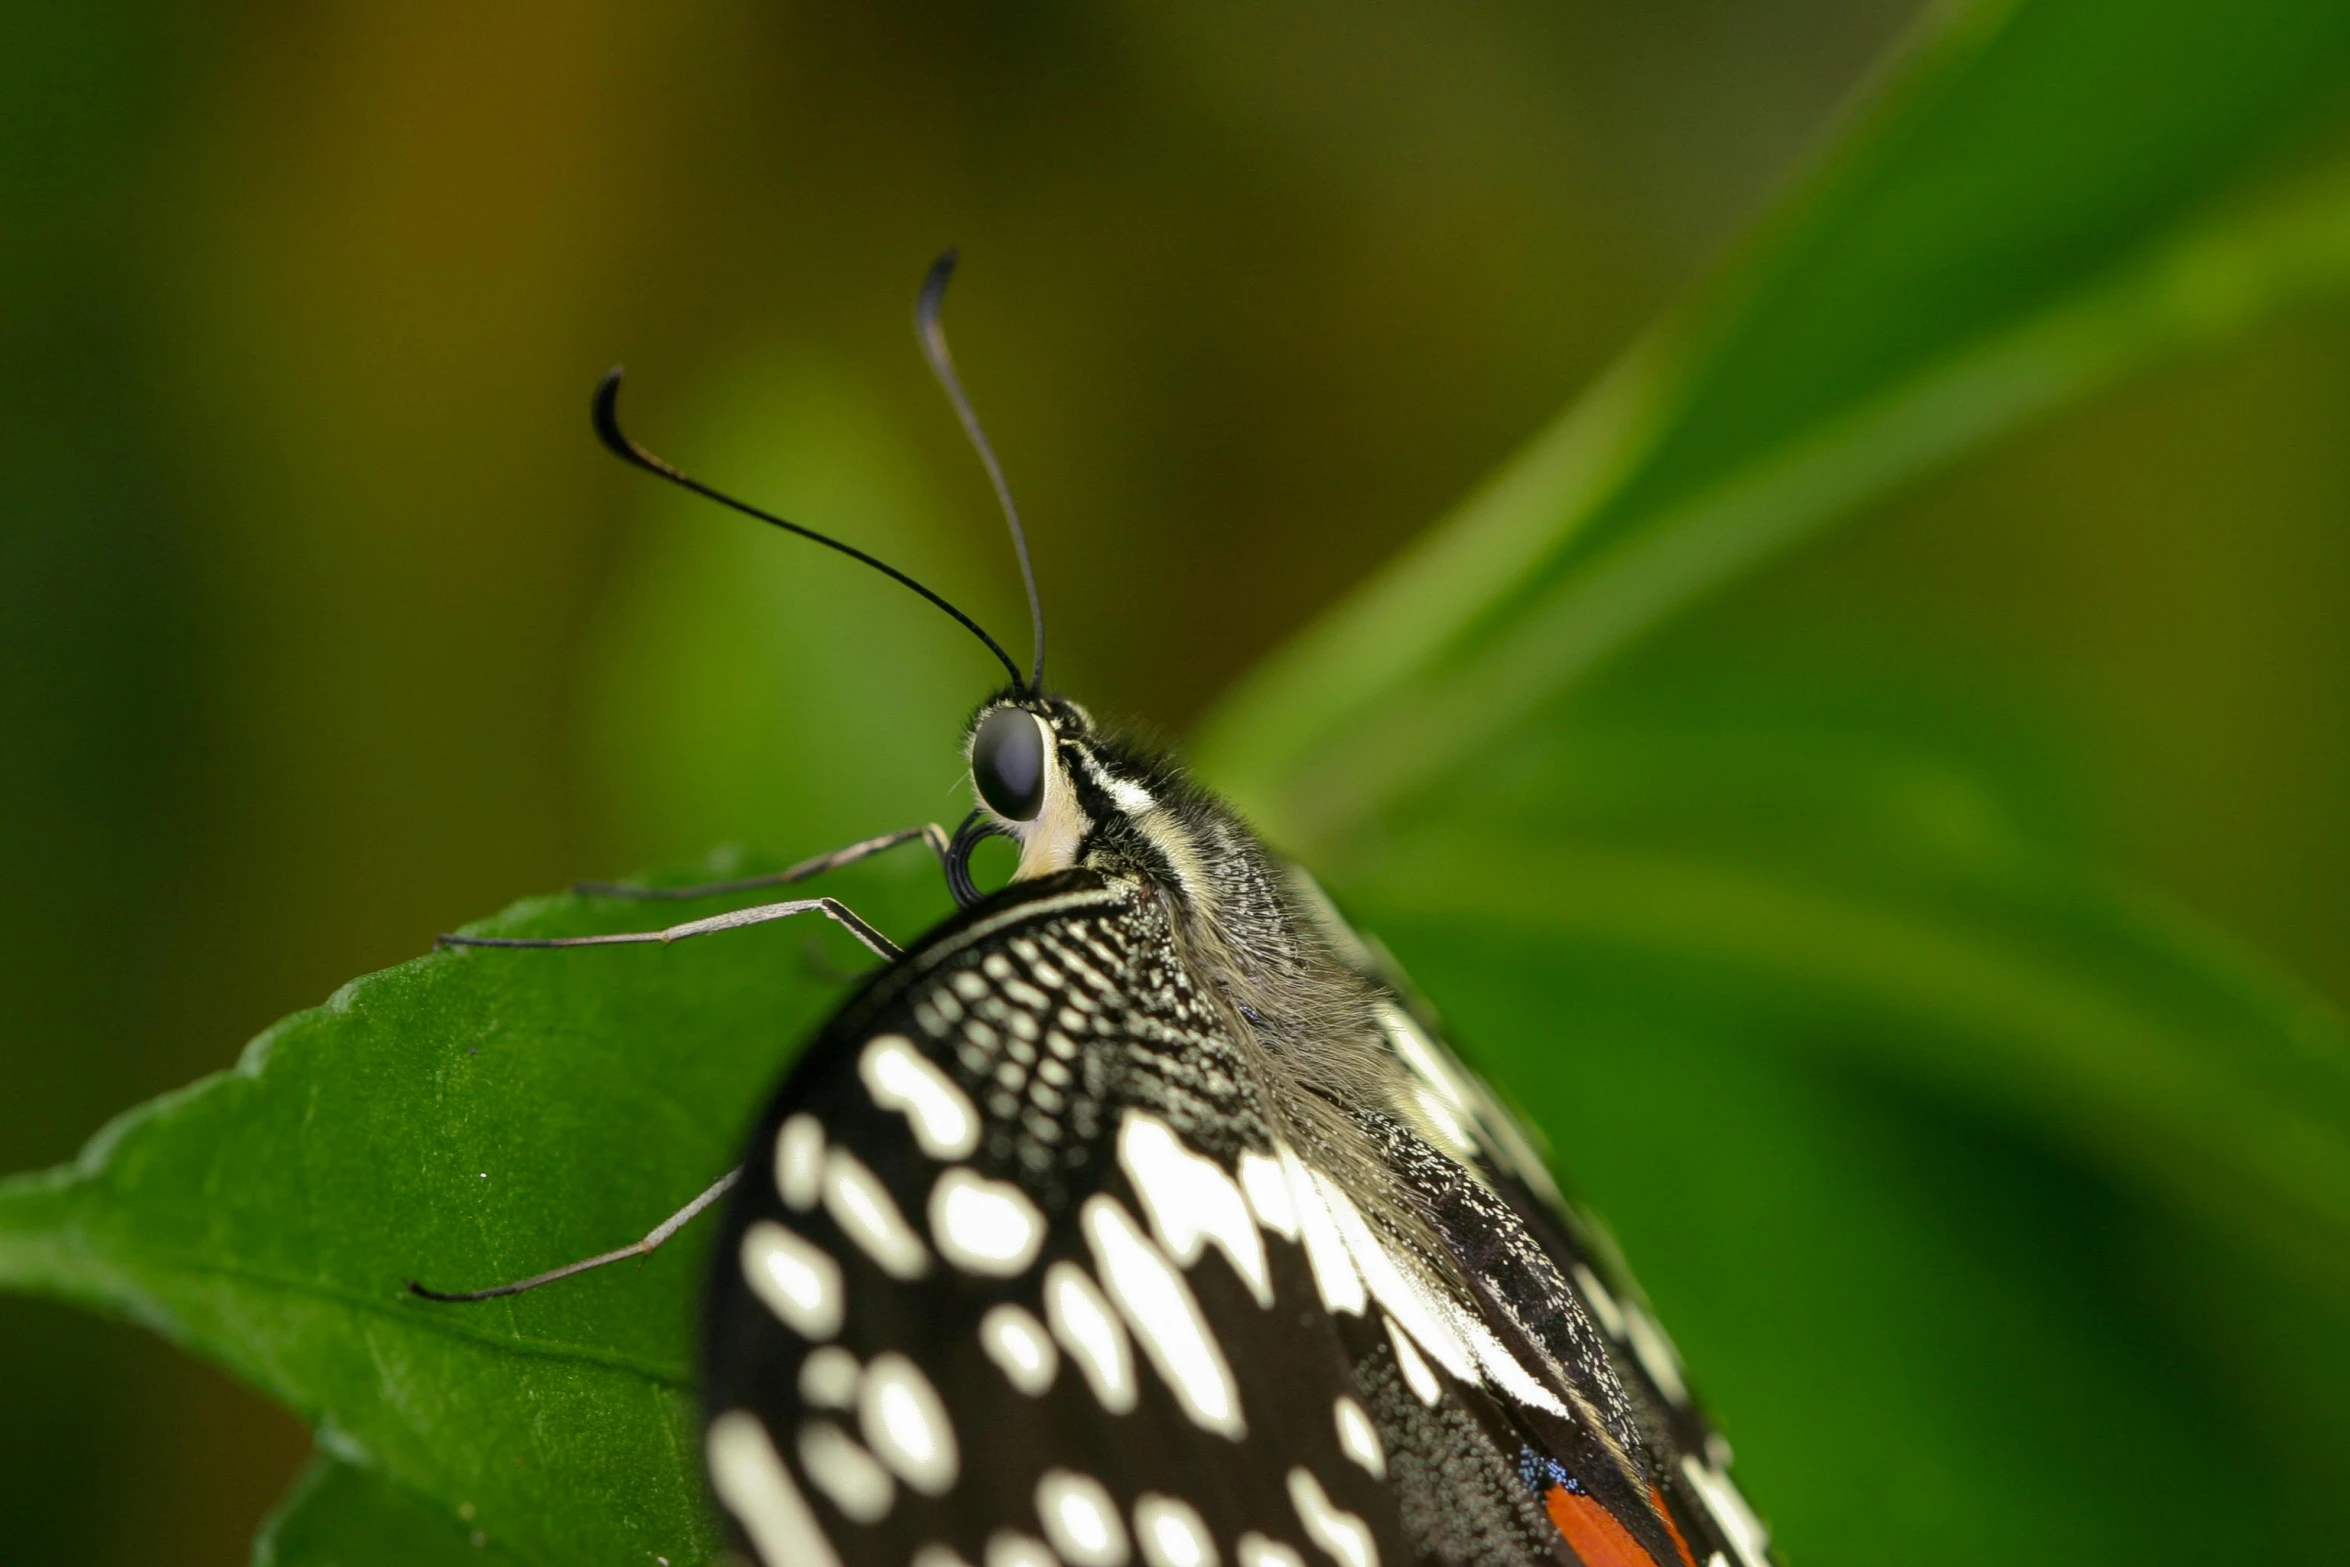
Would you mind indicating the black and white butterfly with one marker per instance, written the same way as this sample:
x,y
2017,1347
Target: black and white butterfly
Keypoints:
x,y
1139,1214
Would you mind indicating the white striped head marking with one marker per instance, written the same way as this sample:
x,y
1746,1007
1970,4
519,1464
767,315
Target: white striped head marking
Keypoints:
x,y
983,1226
1191,1201
861,1206
1017,1343
1358,1439
899,1077
842,1470
1346,1537
1254,1550
906,1423
1125,793
799,1162
1159,1308
795,1278
749,1477
1080,1519
1172,1533
1089,1331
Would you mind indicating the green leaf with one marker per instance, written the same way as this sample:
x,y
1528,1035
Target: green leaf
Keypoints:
x,y
1932,1338
1847,882
1909,1123
2033,209
2108,1022
342,1515
2048,197
466,1118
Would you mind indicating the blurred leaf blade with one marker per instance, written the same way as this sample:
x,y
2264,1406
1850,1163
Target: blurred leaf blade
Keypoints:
x,y
1915,1314
341,1515
2006,231
463,1121
2112,1023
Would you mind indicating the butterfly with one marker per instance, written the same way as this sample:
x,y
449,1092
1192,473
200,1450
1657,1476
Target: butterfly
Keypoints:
x,y
1140,1213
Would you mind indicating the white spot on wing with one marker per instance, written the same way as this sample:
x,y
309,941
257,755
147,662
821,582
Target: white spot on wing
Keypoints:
x,y
1459,1339
1083,1322
1358,1439
899,1077
1722,1498
1431,1319
1429,1061
1191,1201
1519,1153
983,1226
1158,1306
1008,1548
906,1424
795,1277
1416,1374
936,1555
1268,1194
1017,1343
1172,1533
749,1477
1254,1550
842,1470
828,1378
1346,1537
799,1162
1655,1352
1603,1303
861,1206
1335,1279
1080,1519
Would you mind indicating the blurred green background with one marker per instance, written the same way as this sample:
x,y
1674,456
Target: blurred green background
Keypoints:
x,y
327,626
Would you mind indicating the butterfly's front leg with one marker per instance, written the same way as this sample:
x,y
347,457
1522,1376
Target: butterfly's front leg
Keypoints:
x,y
735,919
929,832
643,1248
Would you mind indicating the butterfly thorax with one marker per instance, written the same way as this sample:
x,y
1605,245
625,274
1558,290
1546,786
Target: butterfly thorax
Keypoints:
x,y
1243,919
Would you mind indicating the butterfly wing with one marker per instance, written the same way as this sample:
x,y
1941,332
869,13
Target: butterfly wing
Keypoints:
x,y
1021,1272
1640,1476
945,1319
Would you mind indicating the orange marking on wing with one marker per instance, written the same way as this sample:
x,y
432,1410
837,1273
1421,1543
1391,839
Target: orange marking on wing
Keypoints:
x,y
1656,1499
1594,1532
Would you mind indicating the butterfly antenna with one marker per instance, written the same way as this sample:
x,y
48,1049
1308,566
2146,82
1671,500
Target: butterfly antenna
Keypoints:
x,y
607,417
942,365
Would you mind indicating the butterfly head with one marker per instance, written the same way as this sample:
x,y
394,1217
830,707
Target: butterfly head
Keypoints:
x,y
1072,795
1046,781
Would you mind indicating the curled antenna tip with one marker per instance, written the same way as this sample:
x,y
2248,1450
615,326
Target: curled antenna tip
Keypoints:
x,y
605,410
606,414
934,293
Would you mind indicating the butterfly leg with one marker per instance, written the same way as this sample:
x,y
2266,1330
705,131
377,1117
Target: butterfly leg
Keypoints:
x,y
644,1248
929,832
831,908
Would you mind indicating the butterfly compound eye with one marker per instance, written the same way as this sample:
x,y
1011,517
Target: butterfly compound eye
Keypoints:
x,y
1007,763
